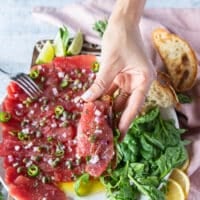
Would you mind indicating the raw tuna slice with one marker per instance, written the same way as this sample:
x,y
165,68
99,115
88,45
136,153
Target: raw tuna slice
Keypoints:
x,y
25,188
95,137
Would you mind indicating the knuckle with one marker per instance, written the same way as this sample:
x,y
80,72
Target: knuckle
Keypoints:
x,y
99,84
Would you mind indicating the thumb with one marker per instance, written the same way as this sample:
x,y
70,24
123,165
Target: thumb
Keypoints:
x,y
102,82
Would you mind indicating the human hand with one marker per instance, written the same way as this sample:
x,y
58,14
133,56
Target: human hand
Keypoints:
x,y
124,66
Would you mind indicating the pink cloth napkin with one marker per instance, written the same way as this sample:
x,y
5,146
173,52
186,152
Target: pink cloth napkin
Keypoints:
x,y
183,22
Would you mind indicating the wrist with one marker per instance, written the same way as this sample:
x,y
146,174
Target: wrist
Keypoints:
x,y
128,11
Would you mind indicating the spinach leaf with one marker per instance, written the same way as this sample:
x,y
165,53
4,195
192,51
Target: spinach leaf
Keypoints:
x,y
150,150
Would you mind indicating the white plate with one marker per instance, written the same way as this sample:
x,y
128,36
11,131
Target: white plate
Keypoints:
x,y
167,113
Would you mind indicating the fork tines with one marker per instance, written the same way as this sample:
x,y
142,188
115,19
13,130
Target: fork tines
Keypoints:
x,y
28,85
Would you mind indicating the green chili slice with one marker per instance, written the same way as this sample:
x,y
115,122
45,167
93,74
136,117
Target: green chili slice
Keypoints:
x,y
95,67
59,110
5,117
81,185
64,83
33,170
34,74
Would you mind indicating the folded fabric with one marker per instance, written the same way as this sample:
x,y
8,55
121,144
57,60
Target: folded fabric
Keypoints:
x,y
183,22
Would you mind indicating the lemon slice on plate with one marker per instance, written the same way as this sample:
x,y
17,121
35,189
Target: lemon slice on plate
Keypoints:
x,y
76,45
185,166
182,179
47,54
174,191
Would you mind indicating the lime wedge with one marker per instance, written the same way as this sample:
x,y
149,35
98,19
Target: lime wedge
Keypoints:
x,y
61,41
58,46
46,54
76,45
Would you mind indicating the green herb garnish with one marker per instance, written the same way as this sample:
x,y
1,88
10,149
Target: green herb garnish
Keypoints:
x,y
100,26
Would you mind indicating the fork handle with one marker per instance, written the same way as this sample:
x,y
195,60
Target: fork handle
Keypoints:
x,y
5,72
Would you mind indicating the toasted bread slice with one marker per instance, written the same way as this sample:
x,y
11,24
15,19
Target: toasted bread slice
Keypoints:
x,y
161,93
178,57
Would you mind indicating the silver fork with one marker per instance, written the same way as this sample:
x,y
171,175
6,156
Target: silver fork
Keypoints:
x,y
25,82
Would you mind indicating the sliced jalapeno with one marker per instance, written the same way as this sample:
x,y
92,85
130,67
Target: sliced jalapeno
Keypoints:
x,y
5,116
34,74
59,110
33,170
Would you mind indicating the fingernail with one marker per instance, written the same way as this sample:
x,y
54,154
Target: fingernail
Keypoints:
x,y
86,95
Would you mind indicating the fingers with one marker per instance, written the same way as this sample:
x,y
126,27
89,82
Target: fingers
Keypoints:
x,y
101,84
120,101
133,105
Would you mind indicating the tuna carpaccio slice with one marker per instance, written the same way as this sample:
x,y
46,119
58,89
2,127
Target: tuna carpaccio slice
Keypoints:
x,y
95,136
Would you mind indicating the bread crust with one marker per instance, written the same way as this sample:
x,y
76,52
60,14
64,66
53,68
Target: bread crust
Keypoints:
x,y
178,57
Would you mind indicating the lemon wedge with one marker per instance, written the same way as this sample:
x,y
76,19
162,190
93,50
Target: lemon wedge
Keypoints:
x,y
182,179
174,191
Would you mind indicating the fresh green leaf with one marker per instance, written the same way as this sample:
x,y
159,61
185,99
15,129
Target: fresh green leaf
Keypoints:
x,y
183,98
151,149
100,26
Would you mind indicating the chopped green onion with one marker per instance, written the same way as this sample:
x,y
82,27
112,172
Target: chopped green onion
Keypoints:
x,y
33,170
64,83
34,74
5,116
59,110
22,136
81,185
95,67
50,139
